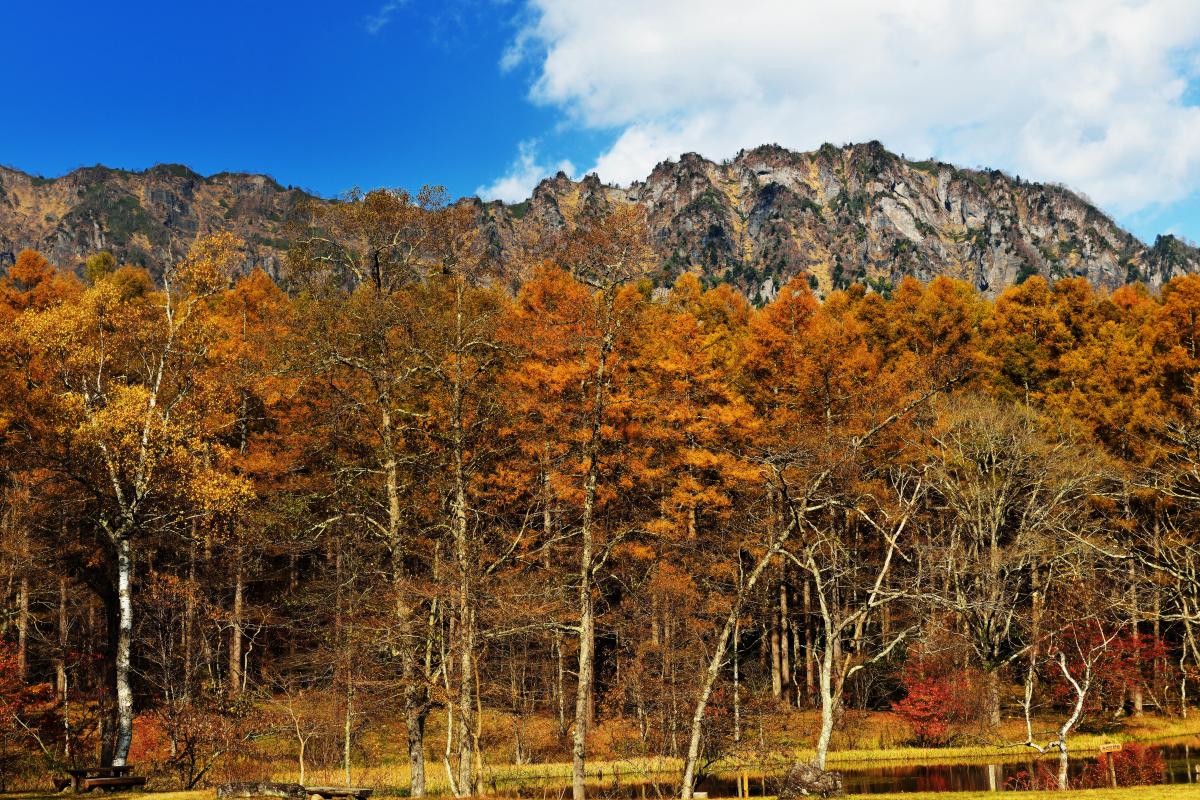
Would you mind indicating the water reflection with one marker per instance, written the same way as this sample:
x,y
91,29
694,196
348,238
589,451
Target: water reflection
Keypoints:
x,y
1181,764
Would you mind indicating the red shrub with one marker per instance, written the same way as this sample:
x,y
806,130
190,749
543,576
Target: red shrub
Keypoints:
x,y
1126,662
934,702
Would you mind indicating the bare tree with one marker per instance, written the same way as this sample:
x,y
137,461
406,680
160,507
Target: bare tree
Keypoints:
x,y
1006,484
1075,637
850,553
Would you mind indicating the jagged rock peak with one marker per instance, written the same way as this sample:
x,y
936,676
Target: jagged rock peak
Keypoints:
x,y
860,213
834,215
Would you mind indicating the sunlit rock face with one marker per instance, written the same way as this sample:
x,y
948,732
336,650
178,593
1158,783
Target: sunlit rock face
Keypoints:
x,y
859,213
146,218
835,216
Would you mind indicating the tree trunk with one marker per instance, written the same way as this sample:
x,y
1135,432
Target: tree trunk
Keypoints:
x,y
348,726
415,714
300,758
993,688
828,704
776,670
710,678
559,691
1138,701
189,618
416,705
60,666
687,785
123,654
466,705
591,684
464,557
579,739
668,674
235,626
23,623
809,659
1183,676
785,641
737,705
23,610
60,658
416,689
107,724
583,688
1159,667
560,700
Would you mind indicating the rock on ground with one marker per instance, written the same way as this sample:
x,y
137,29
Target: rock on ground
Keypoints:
x,y
808,780
292,791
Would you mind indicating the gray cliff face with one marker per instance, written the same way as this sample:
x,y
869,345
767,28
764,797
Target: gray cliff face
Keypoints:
x,y
147,218
837,215
862,214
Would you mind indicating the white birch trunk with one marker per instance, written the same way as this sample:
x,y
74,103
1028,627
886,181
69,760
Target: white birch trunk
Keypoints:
x,y
124,644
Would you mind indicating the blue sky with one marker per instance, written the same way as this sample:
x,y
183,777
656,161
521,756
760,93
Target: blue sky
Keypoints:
x,y
488,96
311,92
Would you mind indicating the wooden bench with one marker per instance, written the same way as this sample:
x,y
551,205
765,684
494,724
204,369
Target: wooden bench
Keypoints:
x,y
112,784
106,778
328,792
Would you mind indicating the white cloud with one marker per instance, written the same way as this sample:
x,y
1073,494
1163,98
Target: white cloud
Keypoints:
x,y
523,175
376,22
1086,92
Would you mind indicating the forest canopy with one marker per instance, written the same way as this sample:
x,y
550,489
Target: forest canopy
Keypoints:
x,y
405,481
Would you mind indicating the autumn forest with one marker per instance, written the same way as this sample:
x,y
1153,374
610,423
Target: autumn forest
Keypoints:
x,y
410,504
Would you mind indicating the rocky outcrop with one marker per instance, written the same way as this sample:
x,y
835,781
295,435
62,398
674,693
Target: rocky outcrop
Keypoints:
x,y
147,218
859,213
836,215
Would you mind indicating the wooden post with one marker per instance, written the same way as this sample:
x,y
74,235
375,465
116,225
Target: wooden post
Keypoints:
x,y
1107,750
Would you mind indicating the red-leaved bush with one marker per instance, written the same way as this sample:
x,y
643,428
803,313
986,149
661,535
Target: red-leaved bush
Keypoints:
x,y
934,702
1125,662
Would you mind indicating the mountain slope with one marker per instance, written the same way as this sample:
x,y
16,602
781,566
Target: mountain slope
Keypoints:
x,y
147,218
860,213
837,214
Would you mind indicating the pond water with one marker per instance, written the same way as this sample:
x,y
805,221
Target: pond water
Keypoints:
x,y
1181,764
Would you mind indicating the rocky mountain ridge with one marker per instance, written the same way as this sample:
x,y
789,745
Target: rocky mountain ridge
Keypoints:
x,y
147,218
837,215
861,214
